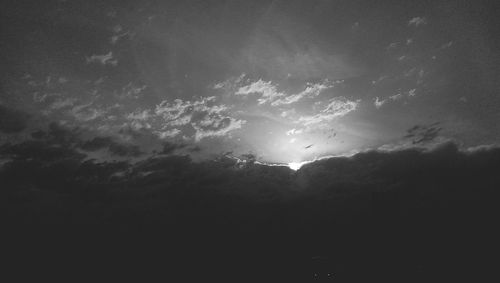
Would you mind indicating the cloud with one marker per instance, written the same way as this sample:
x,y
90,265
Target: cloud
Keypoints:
x,y
446,45
12,120
132,91
417,21
85,113
336,108
39,151
378,102
112,146
294,132
420,134
168,133
216,127
229,83
311,90
169,148
267,90
140,115
404,171
105,59
205,116
119,33
63,103
395,97
179,112
60,134
392,45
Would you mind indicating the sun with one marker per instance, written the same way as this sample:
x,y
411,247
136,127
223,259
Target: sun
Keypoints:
x,y
295,165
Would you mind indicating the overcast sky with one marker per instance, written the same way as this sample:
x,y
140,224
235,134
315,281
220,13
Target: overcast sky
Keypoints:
x,y
286,81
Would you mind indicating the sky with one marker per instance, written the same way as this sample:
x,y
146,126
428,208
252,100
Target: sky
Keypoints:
x,y
283,81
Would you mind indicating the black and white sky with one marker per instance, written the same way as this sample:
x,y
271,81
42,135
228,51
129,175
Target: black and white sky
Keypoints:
x,y
135,130
284,81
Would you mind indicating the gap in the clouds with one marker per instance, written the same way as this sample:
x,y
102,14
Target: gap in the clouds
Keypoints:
x,y
296,165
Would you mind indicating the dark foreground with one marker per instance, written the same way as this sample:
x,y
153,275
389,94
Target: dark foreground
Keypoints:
x,y
399,217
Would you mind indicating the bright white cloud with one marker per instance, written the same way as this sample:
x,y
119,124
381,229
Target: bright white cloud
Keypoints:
x,y
294,132
311,90
168,134
207,118
336,108
139,115
217,128
379,103
268,91
229,83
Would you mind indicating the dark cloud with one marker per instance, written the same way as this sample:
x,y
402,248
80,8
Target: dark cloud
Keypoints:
x,y
113,146
38,134
420,134
12,120
63,135
446,167
169,148
39,150
195,148
97,143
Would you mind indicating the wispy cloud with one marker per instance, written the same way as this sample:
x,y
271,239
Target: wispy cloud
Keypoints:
x,y
294,132
336,108
168,133
229,83
62,103
205,116
393,45
310,91
395,97
216,127
140,115
446,45
86,113
180,112
267,90
398,96
132,91
417,21
105,59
